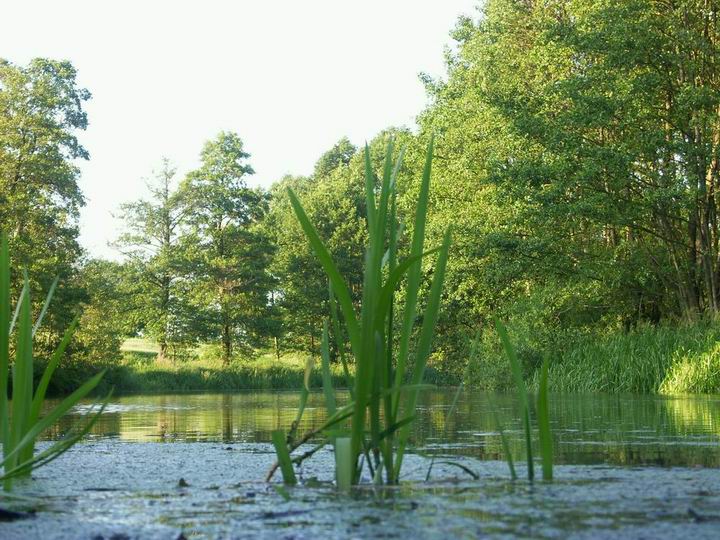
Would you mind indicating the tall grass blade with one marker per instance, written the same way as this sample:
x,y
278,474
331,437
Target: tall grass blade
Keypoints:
x,y
16,313
425,340
458,391
516,370
328,391
46,305
413,280
4,339
344,463
281,450
22,380
339,344
53,416
50,369
543,418
20,429
58,448
338,283
505,446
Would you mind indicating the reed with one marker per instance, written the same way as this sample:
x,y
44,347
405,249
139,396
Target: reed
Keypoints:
x,y
21,424
543,414
387,378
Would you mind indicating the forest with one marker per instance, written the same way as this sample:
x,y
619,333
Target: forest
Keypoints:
x,y
576,159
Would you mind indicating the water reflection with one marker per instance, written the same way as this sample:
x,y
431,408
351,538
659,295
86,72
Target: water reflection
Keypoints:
x,y
626,429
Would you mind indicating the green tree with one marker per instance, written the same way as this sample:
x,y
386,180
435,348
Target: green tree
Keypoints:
x,y
41,111
227,253
153,246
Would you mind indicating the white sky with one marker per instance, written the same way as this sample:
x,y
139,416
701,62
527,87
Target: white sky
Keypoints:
x,y
291,77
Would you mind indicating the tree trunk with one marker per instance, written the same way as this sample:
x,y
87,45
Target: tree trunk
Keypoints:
x,y
227,345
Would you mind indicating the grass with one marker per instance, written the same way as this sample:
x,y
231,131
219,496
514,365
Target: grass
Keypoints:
x,y
21,424
669,359
141,371
383,402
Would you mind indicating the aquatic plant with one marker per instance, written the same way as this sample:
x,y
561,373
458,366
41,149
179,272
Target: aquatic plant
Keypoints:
x,y
21,424
543,415
387,378
456,397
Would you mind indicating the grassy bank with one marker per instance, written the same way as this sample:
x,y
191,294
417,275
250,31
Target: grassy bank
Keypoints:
x,y
140,370
664,359
669,359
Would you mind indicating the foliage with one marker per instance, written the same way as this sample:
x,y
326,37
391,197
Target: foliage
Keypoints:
x,y
41,111
21,424
380,373
666,358
227,253
153,248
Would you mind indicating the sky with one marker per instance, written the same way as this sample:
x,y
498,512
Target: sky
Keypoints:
x,y
290,77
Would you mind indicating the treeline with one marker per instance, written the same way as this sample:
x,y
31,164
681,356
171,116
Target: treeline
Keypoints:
x,y
577,159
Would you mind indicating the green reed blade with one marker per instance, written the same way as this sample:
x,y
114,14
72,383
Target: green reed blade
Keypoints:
x,y
22,378
369,191
338,283
328,390
4,339
46,305
16,313
427,330
395,276
283,456
50,369
521,392
505,446
344,463
59,448
337,332
413,279
543,418
53,416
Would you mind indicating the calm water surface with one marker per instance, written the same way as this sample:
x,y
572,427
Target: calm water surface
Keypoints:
x,y
630,467
588,429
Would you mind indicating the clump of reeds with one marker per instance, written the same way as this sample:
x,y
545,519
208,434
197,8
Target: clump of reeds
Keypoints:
x,y
21,424
387,376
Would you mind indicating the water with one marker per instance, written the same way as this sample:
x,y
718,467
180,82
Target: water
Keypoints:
x,y
628,467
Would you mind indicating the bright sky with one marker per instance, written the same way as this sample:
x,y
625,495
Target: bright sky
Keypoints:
x,y
291,77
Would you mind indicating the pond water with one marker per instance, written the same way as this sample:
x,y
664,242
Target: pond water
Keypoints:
x,y
627,467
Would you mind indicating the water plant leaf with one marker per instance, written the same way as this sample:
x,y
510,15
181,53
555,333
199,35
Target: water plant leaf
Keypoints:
x,y
505,446
427,330
543,419
53,416
281,450
521,390
58,448
344,463
50,369
46,305
464,468
338,283
4,339
413,280
328,391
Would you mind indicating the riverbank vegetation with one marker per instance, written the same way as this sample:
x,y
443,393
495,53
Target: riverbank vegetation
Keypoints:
x,y
577,152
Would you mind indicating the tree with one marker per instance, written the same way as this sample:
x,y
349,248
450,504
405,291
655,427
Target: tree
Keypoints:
x,y
153,245
228,253
338,156
334,199
41,110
